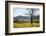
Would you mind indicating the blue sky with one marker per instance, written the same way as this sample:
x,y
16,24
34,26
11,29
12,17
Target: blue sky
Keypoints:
x,y
22,11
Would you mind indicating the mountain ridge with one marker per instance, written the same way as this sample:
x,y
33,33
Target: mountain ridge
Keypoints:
x,y
25,17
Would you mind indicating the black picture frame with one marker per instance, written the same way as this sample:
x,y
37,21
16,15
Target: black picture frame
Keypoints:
x,y
6,17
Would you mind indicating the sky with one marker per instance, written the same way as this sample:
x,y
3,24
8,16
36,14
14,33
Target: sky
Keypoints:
x,y
22,11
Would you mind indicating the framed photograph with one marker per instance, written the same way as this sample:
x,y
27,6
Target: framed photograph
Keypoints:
x,y
24,17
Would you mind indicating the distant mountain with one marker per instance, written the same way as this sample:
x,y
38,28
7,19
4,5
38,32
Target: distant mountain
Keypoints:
x,y
26,18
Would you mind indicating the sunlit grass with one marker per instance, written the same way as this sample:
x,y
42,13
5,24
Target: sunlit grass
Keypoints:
x,y
25,25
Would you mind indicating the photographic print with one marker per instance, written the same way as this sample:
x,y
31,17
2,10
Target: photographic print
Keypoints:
x,y
24,17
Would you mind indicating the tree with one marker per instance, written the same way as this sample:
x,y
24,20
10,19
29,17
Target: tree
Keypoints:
x,y
31,12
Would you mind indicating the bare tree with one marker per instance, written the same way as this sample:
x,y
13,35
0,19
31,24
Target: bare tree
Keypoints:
x,y
31,12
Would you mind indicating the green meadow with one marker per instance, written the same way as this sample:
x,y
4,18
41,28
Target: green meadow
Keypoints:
x,y
21,24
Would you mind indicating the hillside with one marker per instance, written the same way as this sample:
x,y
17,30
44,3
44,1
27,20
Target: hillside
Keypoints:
x,y
27,18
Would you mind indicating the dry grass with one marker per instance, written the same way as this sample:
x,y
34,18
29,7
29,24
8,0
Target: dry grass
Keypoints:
x,y
25,24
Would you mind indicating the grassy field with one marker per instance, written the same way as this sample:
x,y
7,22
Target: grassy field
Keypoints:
x,y
25,24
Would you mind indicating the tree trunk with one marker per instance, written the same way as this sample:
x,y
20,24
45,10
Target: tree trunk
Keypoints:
x,y
31,19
